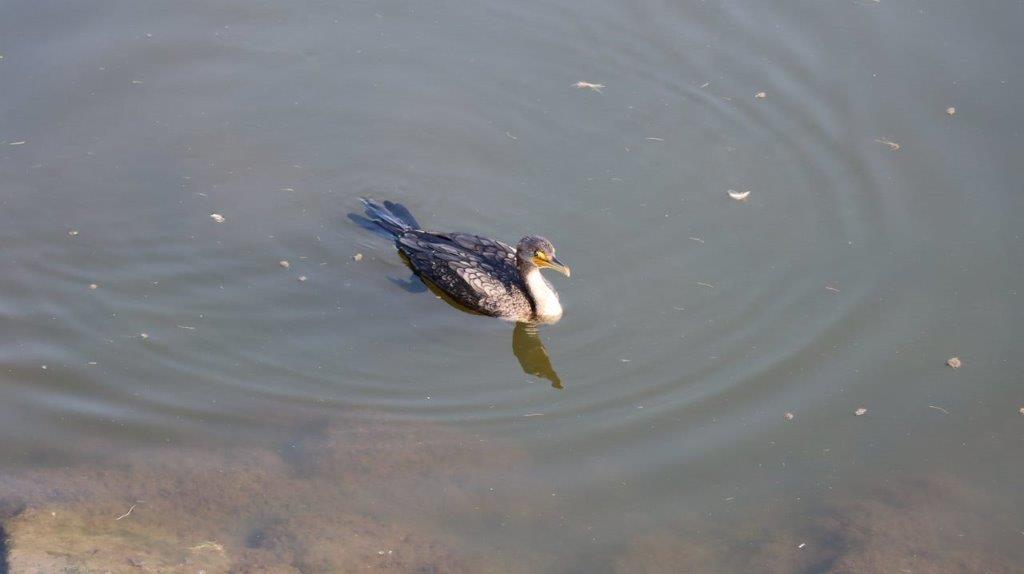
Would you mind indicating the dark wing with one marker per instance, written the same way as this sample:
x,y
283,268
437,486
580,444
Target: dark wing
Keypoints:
x,y
469,269
485,246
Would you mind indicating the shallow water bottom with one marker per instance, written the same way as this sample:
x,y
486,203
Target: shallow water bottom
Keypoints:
x,y
383,495
174,399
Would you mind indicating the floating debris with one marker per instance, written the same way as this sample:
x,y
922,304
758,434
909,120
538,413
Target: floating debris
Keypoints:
x,y
860,412
938,409
285,264
302,278
143,335
72,233
18,143
739,195
831,288
125,515
802,545
217,217
954,362
950,111
209,545
892,145
697,239
357,257
789,416
589,85
760,95
708,285
1021,410
93,286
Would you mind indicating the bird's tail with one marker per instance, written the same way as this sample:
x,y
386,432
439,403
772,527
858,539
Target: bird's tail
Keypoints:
x,y
388,219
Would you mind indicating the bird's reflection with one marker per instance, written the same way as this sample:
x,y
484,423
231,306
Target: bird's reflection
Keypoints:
x,y
526,343
533,357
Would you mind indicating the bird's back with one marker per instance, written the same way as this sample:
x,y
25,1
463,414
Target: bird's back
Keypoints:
x,y
476,272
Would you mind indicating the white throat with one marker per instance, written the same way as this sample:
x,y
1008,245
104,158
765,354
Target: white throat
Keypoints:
x,y
544,297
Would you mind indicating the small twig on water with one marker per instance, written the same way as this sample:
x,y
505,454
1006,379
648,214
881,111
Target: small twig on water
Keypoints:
x,y
589,85
208,545
938,409
125,515
891,144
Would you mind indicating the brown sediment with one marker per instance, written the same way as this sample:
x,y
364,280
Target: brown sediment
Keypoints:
x,y
927,526
353,497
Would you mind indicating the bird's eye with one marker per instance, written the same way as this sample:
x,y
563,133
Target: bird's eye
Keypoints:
x,y
540,255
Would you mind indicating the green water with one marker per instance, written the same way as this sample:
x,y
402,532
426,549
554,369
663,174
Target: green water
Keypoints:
x,y
693,322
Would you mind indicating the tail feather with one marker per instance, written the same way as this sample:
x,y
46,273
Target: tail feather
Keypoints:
x,y
402,213
370,225
391,218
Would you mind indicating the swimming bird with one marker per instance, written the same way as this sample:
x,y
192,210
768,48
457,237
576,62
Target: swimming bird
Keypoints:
x,y
477,273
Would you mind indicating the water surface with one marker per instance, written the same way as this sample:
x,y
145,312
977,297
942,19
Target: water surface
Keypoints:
x,y
693,321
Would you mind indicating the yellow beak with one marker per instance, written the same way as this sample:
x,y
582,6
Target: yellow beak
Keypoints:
x,y
553,263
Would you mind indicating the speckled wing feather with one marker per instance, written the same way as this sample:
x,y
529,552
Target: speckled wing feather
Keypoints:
x,y
485,246
477,272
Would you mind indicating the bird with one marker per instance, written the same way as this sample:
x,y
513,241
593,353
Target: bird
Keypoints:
x,y
479,274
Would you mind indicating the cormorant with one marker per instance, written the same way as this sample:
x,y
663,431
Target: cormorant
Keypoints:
x,y
479,274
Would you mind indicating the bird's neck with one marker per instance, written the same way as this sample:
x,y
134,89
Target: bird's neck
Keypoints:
x,y
545,300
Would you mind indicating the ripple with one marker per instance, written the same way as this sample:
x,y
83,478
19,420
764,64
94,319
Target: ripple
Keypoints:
x,y
693,321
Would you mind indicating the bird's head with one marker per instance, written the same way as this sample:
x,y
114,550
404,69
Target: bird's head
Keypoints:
x,y
536,251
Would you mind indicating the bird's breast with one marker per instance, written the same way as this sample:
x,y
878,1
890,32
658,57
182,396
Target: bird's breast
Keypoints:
x,y
545,300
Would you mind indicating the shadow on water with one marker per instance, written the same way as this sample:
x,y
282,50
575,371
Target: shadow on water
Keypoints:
x,y
410,285
3,551
8,510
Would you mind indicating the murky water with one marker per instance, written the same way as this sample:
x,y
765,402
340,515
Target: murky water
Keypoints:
x,y
881,236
